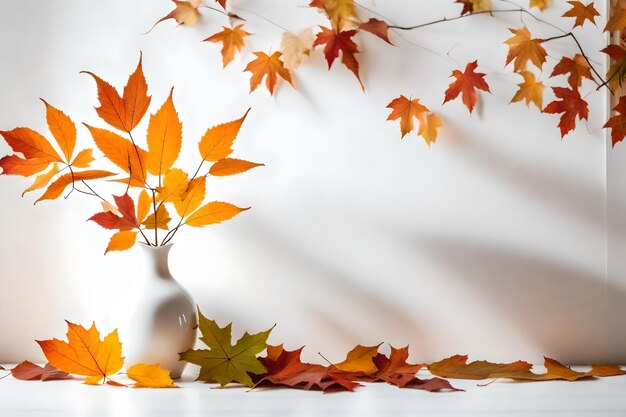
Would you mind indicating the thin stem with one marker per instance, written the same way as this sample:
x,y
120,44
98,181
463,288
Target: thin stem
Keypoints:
x,y
450,19
264,18
154,206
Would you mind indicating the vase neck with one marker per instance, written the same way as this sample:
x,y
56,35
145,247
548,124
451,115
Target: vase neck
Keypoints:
x,y
156,261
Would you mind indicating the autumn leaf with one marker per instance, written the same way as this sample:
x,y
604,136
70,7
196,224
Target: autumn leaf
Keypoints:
x,y
466,84
540,4
377,27
63,130
165,136
143,206
522,48
428,127
617,71
285,368
581,12
31,144
617,123
84,353
232,40
16,165
185,13
571,104
268,67
83,159
231,166
222,3
472,6
125,220
576,67
224,362
617,21
191,198
531,90
55,189
359,361
162,219
405,109
123,113
42,180
122,240
175,183
28,371
150,376
335,42
296,48
341,13
217,141
213,213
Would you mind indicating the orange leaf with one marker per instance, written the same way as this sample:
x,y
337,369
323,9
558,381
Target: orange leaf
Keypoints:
x,y
123,113
55,189
231,166
571,104
83,159
43,179
174,185
150,376
522,48
359,360
466,84
222,3
617,123
617,22
540,4
270,66
342,41
617,71
213,213
63,130
232,41
581,12
428,127
121,241
30,144
218,140
185,13
165,136
84,353
472,6
576,67
530,90
15,165
377,27
405,110
162,219
143,206
192,197
341,13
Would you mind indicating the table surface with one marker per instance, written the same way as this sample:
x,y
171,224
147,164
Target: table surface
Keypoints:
x,y
597,398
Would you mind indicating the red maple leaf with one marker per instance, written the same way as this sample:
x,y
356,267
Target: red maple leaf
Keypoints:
x,y
127,220
340,41
571,104
617,123
466,84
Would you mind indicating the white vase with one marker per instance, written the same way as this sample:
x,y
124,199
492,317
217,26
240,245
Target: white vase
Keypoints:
x,y
164,322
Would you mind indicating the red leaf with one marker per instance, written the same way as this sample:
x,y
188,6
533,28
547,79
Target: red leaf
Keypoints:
x,y
570,105
340,41
127,219
617,123
377,27
28,371
466,84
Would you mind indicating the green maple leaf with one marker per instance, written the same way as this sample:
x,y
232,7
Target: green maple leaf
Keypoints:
x,y
223,362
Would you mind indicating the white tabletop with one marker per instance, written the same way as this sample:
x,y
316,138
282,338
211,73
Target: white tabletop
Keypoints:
x,y
597,398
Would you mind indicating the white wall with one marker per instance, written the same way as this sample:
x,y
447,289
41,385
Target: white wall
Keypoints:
x,y
493,242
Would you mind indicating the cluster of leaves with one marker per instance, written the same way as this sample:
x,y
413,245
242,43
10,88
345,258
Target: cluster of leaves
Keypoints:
x,y
338,38
241,363
161,186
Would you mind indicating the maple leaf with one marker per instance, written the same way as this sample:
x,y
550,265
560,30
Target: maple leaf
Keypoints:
x,y
522,48
125,220
617,123
285,368
296,48
231,166
213,213
377,27
531,90
158,221
466,84
267,65
359,361
471,6
122,240
617,71
581,12
457,367
576,67
125,112
617,21
571,104
406,109
165,136
339,41
232,41
150,376
428,127
217,141
341,13
28,371
185,12
55,189
540,4
224,362
84,353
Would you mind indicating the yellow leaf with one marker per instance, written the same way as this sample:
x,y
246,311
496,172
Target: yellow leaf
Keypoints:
x,y
404,109
540,4
217,142
43,179
55,189
143,205
162,219
191,199
530,90
62,128
522,48
213,213
83,159
122,240
360,360
231,166
150,376
174,185
165,135
296,48
185,13
267,65
232,42
341,13
428,127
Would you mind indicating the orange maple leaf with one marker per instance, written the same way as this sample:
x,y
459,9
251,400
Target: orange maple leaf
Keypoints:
x,y
581,12
270,66
84,353
377,27
571,104
406,110
466,84
232,41
522,48
617,21
617,123
617,72
531,90
576,67
340,41
185,13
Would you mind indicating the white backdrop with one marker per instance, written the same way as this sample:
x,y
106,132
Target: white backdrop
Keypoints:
x,y
493,242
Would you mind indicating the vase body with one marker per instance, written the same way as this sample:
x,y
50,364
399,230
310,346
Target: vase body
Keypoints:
x,y
163,320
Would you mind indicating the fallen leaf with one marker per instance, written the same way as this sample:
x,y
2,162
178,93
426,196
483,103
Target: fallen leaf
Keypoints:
x,y
158,221
231,166
466,84
185,13
576,67
55,189
63,130
405,109
617,122
377,27
126,220
28,371
581,12
217,141
522,48
335,42
224,362
531,90
121,241
341,13
359,361
296,48
165,137
617,21
267,65
213,213
617,71
150,376
232,40
571,104
84,353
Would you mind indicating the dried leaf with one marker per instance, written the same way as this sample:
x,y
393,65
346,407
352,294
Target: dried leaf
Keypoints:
x,y
231,166
617,123
522,48
121,241
617,71
540,4
359,361
296,48
531,90
185,13
28,371
232,41
617,21
150,376
472,6
165,137
581,12
377,27
466,84
571,104
576,67
428,127
267,65
340,41
341,13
